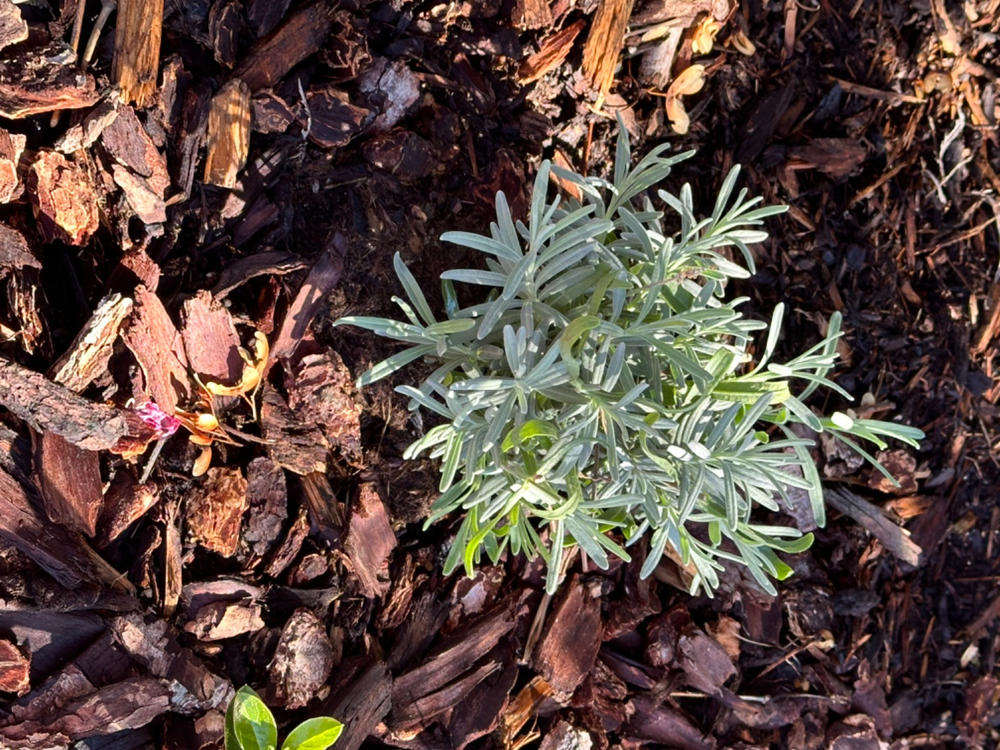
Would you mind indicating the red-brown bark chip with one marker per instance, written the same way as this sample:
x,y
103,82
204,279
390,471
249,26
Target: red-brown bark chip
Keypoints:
x,y
63,199
15,668
568,649
70,482
370,541
151,336
215,510
210,340
11,148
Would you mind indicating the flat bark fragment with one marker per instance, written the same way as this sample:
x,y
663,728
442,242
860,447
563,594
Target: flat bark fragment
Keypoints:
x,y
210,339
215,509
69,479
220,620
370,540
321,391
52,408
654,722
333,121
360,706
137,49
478,712
63,198
149,208
151,336
302,661
13,29
87,357
292,444
300,36
125,502
264,15
36,81
228,134
568,649
275,262
267,496
127,141
552,50
15,668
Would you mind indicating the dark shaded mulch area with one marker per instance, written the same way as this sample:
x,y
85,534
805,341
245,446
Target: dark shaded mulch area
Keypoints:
x,y
134,596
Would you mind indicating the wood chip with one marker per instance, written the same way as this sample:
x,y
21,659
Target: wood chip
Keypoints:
x,y
605,41
293,444
333,121
361,705
267,496
151,336
568,649
895,539
321,392
36,81
835,157
300,36
228,134
15,668
11,148
13,29
264,15
210,339
125,502
85,133
137,49
128,143
215,508
87,357
271,262
654,722
14,250
552,50
63,199
302,661
225,24
370,540
69,479
219,620
149,208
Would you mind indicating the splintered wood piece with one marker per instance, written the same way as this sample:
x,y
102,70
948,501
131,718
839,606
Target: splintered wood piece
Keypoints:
x,y
321,392
35,81
604,43
433,704
14,250
360,706
324,510
370,540
299,37
137,49
125,502
84,134
552,50
531,14
228,134
225,25
210,339
894,538
51,547
454,657
15,669
568,649
292,444
276,262
267,495
479,711
50,407
13,28
88,355
290,546
63,199
302,661
11,148
151,336
69,479
215,509
322,278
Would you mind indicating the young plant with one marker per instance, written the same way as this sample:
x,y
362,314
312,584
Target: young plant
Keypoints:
x,y
606,383
250,726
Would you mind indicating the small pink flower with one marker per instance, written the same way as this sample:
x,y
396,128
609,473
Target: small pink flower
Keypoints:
x,y
164,424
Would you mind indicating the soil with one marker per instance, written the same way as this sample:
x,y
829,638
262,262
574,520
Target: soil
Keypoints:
x,y
135,596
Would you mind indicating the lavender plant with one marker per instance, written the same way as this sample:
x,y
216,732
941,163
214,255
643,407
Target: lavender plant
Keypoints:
x,y
606,384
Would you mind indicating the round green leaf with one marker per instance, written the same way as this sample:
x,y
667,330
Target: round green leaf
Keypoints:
x,y
313,734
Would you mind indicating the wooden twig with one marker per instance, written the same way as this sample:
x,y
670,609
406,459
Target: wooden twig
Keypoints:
x,y
604,44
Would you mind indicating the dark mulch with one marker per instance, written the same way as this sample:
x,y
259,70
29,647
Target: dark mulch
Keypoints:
x,y
134,596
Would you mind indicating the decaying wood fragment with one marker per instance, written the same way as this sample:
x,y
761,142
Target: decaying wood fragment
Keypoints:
x,y
151,336
552,50
228,134
88,355
302,660
210,339
603,49
50,407
13,29
63,199
215,509
11,148
137,49
84,134
127,141
370,540
69,479
300,36
36,80
568,649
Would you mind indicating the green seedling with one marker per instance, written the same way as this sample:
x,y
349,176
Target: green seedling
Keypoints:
x,y
606,384
250,726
